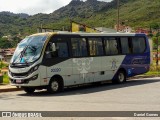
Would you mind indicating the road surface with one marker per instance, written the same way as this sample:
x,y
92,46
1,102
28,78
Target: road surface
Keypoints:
x,y
134,95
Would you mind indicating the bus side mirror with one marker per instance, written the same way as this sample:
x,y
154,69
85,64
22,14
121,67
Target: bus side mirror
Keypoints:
x,y
53,47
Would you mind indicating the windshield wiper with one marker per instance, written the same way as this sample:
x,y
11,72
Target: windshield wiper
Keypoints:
x,y
33,48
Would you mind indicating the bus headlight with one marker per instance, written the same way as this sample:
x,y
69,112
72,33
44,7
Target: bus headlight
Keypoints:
x,y
34,69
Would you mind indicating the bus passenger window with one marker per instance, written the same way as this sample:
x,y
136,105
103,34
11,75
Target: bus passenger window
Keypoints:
x,y
95,46
111,46
125,45
79,47
49,53
139,44
62,50
107,48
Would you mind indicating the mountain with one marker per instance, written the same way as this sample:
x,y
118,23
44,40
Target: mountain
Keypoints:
x,y
22,15
135,13
77,8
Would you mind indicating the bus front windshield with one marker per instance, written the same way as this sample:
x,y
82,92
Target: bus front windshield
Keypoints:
x,y
29,49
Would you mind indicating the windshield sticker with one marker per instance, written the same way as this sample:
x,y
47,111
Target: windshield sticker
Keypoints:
x,y
22,60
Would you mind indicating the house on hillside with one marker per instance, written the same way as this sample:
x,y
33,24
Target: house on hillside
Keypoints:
x,y
1,58
107,30
123,28
8,37
1,54
142,30
6,54
4,71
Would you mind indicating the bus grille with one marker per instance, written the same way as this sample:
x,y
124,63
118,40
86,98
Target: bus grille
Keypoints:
x,y
19,75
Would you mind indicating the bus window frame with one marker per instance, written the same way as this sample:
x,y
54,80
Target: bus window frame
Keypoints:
x,y
117,38
119,47
72,49
145,39
101,37
54,38
129,45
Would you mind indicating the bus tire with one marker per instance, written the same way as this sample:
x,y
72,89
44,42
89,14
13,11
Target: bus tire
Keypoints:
x,y
55,86
120,77
29,90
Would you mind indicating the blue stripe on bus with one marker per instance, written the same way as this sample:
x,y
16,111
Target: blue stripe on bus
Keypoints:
x,y
135,64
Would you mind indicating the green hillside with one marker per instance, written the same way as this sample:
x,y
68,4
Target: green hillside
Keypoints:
x,y
135,13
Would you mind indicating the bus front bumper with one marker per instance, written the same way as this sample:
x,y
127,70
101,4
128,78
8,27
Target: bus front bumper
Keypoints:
x,y
31,80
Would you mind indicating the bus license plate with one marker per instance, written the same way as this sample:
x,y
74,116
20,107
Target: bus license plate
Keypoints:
x,y
18,81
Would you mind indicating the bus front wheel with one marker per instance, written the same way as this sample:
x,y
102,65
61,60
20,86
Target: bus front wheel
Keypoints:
x,y
29,90
120,77
54,86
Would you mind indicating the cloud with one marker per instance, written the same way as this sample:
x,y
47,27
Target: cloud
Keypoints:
x,y
33,6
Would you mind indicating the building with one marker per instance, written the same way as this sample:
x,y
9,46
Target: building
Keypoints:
x,y
123,28
141,30
4,71
107,30
6,54
1,54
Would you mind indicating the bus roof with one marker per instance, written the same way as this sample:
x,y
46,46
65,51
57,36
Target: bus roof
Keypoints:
x,y
89,34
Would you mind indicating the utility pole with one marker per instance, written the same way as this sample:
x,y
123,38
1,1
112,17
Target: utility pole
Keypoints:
x,y
117,15
157,62
157,52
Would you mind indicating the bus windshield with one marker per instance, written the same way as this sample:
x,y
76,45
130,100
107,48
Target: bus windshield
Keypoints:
x,y
29,49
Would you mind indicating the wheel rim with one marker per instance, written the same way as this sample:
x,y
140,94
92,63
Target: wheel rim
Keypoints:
x,y
55,86
121,77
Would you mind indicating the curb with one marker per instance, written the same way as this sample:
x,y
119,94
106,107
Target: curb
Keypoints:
x,y
144,76
10,90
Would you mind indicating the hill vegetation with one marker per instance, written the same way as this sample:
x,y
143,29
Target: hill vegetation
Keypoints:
x,y
135,13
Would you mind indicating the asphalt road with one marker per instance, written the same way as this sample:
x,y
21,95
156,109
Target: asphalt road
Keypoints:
x,y
134,95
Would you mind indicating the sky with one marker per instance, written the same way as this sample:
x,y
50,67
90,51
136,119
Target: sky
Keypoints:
x,y
32,7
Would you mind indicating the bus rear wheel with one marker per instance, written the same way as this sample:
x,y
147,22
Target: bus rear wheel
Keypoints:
x,y
29,90
120,77
55,86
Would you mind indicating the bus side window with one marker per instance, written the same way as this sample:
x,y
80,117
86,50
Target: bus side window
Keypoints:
x,y
62,49
125,45
95,46
139,44
79,47
48,52
107,48
114,46
111,46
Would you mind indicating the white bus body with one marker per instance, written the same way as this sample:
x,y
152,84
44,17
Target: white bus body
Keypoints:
x,y
57,60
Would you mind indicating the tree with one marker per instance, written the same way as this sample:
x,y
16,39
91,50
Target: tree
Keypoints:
x,y
4,43
155,26
155,42
1,34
